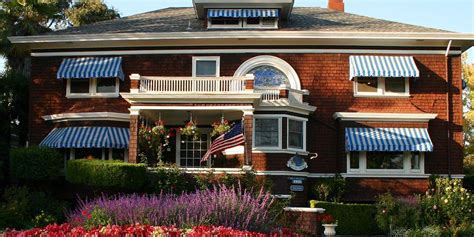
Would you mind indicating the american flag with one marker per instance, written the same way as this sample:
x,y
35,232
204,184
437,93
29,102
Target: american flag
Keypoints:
x,y
232,138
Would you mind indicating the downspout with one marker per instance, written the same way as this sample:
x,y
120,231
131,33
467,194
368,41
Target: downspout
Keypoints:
x,y
448,107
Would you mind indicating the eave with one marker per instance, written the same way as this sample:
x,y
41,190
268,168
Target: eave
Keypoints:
x,y
245,38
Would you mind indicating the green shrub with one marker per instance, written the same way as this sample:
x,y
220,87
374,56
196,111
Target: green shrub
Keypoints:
x,y
168,179
330,189
22,208
353,219
107,174
468,182
35,163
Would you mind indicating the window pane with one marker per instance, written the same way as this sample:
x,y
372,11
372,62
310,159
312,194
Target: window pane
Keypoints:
x,y
395,85
253,21
225,21
384,160
415,160
268,76
80,86
367,84
88,153
268,21
192,152
266,132
354,160
106,85
295,130
206,68
118,154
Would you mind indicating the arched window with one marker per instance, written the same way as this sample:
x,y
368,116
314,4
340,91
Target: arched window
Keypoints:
x,y
268,76
270,71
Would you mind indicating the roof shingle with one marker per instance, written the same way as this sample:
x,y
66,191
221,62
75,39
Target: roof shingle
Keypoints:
x,y
302,19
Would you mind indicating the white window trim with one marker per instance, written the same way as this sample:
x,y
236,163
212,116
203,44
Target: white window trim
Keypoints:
x,y
280,131
92,90
381,89
380,172
260,25
288,133
216,26
72,154
217,59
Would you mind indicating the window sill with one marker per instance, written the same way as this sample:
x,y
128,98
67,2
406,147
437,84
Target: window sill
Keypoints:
x,y
92,96
354,174
382,96
279,150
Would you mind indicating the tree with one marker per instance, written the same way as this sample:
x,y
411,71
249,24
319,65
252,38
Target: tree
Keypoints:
x,y
468,103
24,18
90,11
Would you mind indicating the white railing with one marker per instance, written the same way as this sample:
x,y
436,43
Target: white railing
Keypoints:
x,y
268,93
273,93
192,84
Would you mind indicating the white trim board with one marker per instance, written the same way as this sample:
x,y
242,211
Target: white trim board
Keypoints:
x,y
234,51
389,117
88,116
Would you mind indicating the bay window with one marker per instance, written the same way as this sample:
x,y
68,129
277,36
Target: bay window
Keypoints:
x,y
268,133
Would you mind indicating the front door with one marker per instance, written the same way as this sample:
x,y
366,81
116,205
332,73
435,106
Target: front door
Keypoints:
x,y
189,152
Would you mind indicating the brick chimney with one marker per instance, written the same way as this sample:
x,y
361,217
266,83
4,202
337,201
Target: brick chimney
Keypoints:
x,y
337,5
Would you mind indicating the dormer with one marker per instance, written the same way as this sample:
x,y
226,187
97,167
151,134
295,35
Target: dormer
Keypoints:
x,y
243,14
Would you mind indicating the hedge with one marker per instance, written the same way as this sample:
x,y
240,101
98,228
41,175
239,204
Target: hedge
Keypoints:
x,y
35,163
108,174
353,219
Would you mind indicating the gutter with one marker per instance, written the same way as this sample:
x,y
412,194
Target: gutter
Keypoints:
x,y
241,34
448,107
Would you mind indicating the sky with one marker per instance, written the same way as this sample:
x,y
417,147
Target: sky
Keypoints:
x,y
452,15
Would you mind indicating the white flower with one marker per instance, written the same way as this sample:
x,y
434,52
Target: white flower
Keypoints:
x,y
446,200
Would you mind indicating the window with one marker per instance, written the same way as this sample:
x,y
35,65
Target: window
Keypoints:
x,y
96,87
381,86
269,76
415,161
98,153
245,23
191,151
262,22
385,160
223,22
354,160
296,134
206,66
267,132
382,163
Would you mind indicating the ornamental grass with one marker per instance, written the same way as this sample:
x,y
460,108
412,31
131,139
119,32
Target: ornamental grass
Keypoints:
x,y
221,206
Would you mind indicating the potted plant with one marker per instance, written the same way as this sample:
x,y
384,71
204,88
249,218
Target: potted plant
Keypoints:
x,y
154,139
219,128
329,224
190,130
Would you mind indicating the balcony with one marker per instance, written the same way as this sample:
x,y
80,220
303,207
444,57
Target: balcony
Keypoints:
x,y
148,89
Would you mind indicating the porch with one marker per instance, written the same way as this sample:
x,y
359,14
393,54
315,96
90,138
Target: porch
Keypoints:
x,y
185,150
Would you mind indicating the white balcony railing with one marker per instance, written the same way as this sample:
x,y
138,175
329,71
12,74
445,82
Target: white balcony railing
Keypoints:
x,y
274,93
193,84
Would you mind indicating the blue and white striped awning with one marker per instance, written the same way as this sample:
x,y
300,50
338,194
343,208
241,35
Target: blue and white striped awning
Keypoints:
x,y
242,13
247,13
91,67
382,66
388,139
231,13
87,137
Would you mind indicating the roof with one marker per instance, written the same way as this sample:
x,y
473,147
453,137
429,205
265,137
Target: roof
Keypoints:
x,y
302,19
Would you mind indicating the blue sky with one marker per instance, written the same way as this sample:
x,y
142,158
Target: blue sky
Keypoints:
x,y
453,15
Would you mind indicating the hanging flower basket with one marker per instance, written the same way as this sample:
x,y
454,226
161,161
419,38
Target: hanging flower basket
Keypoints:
x,y
190,131
219,128
154,139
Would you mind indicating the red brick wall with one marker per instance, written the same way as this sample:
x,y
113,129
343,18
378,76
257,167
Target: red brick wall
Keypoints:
x,y
324,75
367,189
